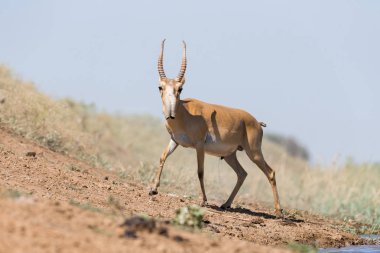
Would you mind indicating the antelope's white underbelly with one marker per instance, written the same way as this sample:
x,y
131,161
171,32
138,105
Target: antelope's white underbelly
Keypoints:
x,y
215,146
212,145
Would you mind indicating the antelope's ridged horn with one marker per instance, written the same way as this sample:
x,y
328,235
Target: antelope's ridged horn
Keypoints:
x,y
160,65
183,65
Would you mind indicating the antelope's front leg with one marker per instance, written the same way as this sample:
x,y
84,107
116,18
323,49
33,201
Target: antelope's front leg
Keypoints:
x,y
156,182
200,159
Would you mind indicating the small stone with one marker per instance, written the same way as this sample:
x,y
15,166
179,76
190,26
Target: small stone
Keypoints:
x,y
178,238
163,231
31,154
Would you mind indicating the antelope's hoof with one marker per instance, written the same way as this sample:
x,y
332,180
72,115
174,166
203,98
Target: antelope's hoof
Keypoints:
x,y
204,204
279,214
225,206
153,192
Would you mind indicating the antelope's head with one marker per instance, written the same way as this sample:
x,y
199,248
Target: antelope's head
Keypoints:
x,y
170,89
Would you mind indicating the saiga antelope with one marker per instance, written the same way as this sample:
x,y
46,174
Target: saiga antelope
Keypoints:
x,y
211,129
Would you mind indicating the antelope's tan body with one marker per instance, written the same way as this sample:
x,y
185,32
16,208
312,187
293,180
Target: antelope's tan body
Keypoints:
x,y
213,129
220,130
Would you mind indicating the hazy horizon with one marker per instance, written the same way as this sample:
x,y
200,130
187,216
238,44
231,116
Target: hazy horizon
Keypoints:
x,y
307,69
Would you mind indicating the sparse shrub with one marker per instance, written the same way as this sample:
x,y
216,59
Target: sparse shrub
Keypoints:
x,y
291,145
86,206
189,216
13,194
302,248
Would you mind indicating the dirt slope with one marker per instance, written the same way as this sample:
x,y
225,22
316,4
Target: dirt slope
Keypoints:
x,y
67,206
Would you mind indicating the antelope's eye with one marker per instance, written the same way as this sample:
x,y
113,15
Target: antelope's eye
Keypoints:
x,y
160,88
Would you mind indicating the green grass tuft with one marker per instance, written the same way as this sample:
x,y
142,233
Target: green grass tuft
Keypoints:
x,y
302,248
189,216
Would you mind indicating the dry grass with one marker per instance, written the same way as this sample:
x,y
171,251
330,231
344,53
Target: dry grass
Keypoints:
x,y
131,145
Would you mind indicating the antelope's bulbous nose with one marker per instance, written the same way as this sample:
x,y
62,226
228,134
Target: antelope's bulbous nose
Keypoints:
x,y
170,117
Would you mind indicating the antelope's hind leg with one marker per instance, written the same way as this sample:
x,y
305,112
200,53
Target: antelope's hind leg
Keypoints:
x,y
258,159
241,175
156,182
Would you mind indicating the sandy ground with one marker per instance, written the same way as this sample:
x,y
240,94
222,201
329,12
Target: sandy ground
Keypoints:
x,y
68,206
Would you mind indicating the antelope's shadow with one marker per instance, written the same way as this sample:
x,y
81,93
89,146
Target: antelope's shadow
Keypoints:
x,y
242,210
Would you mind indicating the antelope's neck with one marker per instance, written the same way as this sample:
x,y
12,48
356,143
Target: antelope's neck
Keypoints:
x,y
177,128
177,125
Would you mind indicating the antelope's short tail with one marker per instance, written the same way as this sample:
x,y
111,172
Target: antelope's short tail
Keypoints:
x,y
263,124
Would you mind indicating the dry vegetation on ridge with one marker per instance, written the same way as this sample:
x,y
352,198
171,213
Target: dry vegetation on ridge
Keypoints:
x,y
119,143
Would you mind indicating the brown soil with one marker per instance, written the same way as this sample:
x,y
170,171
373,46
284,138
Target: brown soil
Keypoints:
x,y
68,206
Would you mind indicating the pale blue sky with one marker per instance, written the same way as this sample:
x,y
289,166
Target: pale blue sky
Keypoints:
x,y
309,69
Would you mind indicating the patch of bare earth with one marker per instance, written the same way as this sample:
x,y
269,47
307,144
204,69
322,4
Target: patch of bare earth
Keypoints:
x,y
68,206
